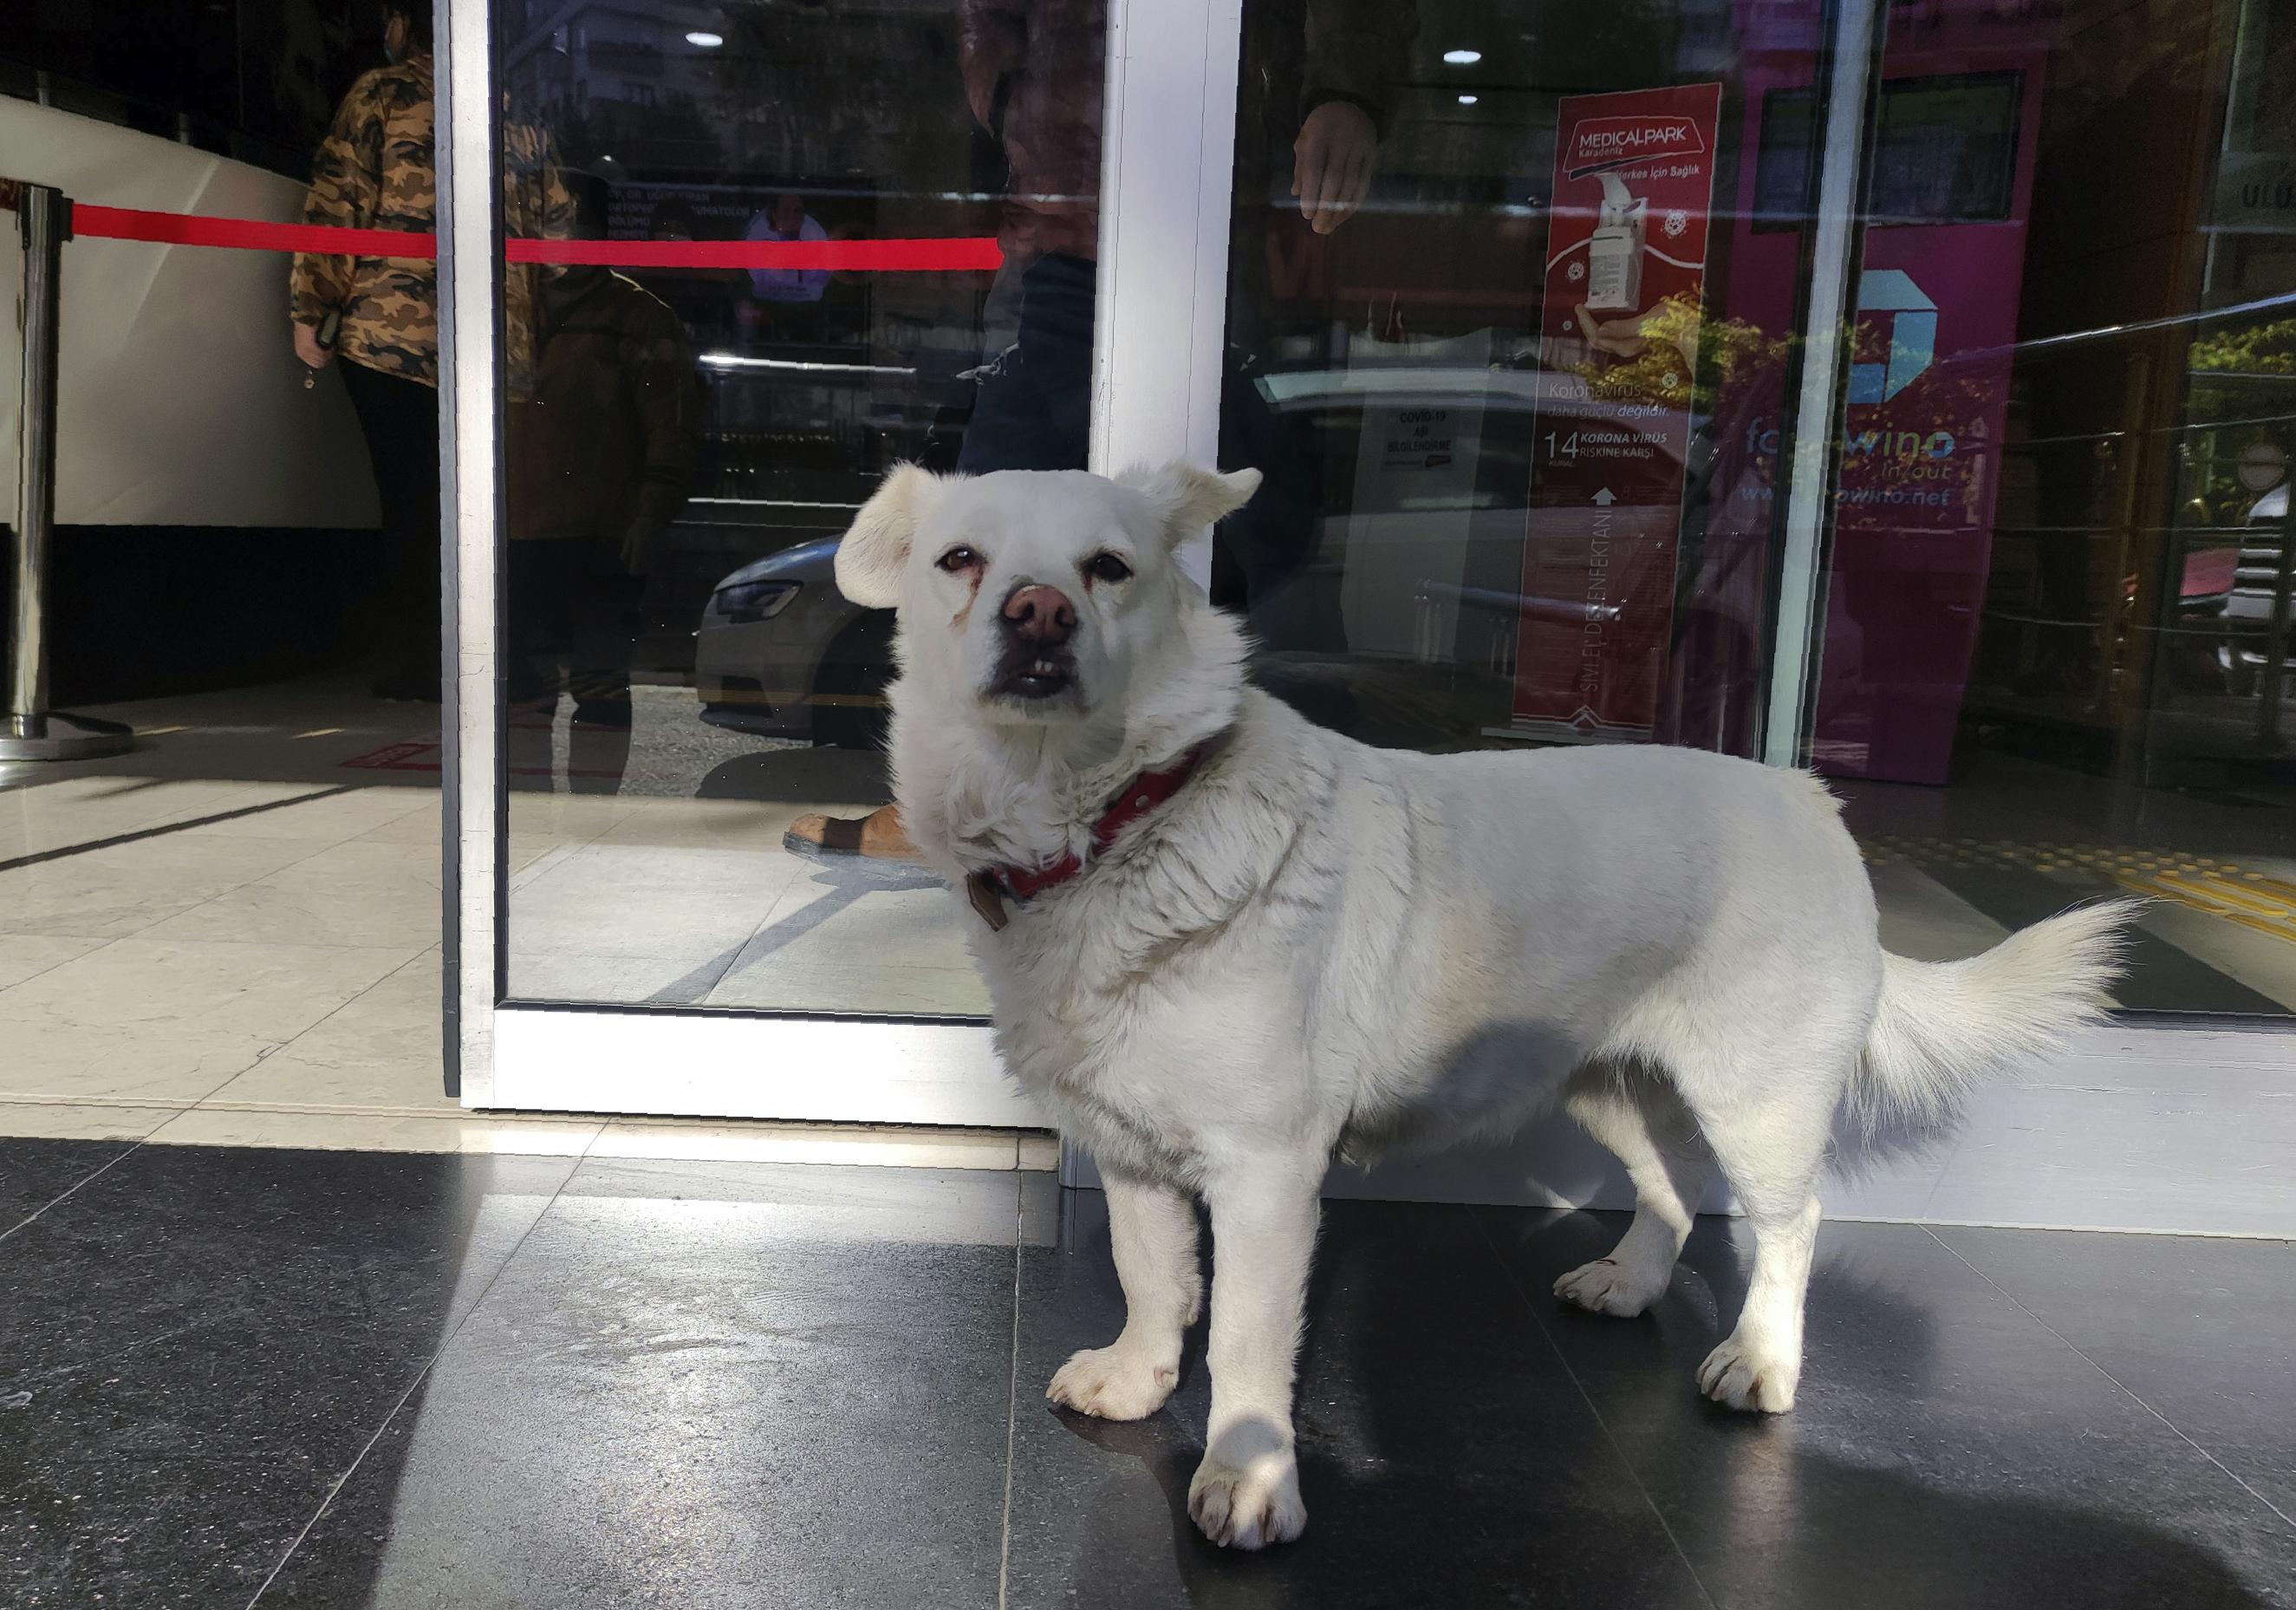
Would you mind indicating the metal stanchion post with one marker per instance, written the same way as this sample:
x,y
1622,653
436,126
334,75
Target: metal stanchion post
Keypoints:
x,y
33,732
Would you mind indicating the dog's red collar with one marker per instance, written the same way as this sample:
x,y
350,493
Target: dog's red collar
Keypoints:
x,y
989,889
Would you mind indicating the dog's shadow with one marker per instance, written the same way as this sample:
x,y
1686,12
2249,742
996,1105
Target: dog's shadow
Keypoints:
x,y
1466,1439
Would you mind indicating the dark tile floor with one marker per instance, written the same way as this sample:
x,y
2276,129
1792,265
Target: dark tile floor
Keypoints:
x,y
342,1379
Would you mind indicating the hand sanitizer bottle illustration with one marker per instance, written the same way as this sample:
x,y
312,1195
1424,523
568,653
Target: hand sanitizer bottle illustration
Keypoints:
x,y
1614,256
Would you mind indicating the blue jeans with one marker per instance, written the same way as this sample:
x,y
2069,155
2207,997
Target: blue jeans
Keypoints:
x,y
1034,410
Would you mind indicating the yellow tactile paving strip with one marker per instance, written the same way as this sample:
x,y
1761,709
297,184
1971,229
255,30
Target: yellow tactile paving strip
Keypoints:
x,y
2219,888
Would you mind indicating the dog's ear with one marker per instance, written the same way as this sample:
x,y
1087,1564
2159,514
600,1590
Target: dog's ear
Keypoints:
x,y
1189,498
875,551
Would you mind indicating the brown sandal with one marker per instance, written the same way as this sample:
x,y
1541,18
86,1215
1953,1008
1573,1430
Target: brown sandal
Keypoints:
x,y
840,835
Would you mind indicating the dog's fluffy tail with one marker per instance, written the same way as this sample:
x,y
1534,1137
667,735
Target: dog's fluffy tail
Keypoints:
x,y
1944,1028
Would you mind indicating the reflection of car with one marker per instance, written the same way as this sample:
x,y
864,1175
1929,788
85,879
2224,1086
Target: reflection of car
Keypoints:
x,y
781,653
2230,594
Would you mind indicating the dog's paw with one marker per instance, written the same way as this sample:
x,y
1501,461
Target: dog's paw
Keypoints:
x,y
1607,1287
1113,1383
1250,1506
1743,1375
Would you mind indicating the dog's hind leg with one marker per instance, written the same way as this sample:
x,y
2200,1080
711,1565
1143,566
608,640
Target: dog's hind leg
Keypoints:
x,y
1640,1119
1152,1230
1766,1112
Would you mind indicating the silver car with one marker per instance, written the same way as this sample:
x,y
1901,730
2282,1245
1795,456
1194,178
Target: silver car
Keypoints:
x,y
781,653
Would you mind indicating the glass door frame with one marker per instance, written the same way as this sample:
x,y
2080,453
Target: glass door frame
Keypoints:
x,y
1171,88
1161,318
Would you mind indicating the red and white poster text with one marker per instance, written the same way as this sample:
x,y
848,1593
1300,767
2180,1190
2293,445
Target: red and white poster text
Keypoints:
x,y
1626,274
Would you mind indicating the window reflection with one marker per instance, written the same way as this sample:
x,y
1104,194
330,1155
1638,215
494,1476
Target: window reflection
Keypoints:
x,y
1522,412
599,450
1417,382
1521,507
685,441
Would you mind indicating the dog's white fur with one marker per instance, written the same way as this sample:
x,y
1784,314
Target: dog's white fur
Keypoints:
x,y
1317,948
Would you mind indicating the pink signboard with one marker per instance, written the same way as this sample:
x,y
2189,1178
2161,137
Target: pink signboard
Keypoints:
x,y
1913,543
1928,393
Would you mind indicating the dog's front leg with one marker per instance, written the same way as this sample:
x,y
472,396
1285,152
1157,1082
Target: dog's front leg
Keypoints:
x,y
1246,1493
1151,1228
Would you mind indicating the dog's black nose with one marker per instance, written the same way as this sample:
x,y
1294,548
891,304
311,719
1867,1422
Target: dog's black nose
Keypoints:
x,y
1041,615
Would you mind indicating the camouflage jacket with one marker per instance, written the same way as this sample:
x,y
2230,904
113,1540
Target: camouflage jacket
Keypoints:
x,y
537,205
375,170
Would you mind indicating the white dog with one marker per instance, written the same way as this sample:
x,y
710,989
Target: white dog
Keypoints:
x,y
1225,946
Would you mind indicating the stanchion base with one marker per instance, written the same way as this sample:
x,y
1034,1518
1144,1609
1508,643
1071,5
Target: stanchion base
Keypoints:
x,y
69,738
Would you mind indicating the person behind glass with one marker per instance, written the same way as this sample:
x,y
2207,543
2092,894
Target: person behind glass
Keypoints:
x,y
702,297
381,316
1322,95
599,457
1033,72
791,296
1033,76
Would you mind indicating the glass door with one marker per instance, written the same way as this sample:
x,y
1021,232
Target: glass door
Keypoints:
x,y
2056,626
1709,371
1899,391
741,260
685,435
1531,307
1515,297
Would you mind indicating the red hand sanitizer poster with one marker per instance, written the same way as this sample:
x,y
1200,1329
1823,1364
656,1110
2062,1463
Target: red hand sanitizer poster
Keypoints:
x,y
1626,273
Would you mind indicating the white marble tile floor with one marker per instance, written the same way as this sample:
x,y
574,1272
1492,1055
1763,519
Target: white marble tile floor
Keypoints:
x,y
230,938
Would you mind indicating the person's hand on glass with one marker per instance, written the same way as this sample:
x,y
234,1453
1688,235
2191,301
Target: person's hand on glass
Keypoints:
x,y
1331,162
308,348
1621,338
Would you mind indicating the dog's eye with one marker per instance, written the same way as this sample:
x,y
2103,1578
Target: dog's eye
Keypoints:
x,y
958,559
1107,567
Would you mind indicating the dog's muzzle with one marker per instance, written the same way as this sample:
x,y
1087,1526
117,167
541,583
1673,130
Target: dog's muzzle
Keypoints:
x,y
1037,662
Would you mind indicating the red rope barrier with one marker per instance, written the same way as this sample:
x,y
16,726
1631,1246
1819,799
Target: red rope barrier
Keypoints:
x,y
894,256
249,234
181,229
